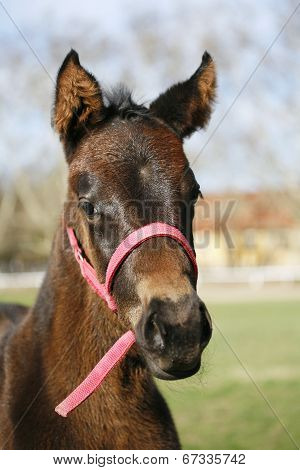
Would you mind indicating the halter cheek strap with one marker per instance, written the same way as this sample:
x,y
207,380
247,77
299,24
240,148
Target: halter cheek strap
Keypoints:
x,y
89,273
123,344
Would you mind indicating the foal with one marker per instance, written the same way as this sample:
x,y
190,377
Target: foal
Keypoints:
x,y
127,168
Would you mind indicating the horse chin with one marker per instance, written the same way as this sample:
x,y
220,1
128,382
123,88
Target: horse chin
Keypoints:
x,y
165,375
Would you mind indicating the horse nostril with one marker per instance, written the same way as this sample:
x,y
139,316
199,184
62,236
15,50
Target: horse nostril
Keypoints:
x,y
155,331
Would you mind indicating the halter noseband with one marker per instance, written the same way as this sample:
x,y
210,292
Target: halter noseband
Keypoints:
x,y
123,344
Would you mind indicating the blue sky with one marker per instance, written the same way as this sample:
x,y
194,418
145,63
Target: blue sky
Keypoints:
x,y
150,45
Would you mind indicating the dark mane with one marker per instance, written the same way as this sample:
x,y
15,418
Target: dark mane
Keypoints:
x,y
119,102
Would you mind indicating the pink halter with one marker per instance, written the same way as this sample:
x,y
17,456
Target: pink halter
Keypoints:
x,y
123,344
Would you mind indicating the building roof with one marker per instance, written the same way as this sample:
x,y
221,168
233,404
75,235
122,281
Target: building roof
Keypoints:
x,y
261,210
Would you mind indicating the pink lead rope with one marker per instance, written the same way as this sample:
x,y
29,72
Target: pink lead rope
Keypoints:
x,y
97,375
123,344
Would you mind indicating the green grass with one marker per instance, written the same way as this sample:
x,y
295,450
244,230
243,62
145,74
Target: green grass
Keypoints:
x,y
248,393
18,296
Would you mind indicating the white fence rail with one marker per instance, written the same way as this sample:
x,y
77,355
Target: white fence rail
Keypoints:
x,y
249,274
21,280
257,275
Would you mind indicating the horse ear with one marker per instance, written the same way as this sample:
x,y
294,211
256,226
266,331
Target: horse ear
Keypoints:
x,y
78,100
187,106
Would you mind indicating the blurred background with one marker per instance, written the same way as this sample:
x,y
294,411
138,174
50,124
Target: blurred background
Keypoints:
x,y
247,229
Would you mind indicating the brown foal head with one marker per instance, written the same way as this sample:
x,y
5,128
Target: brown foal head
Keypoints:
x,y
127,168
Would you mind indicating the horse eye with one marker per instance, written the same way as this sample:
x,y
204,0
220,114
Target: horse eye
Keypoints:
x,y
88,208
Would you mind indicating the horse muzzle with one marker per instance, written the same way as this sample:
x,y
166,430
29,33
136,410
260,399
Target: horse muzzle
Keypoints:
x,y
173,335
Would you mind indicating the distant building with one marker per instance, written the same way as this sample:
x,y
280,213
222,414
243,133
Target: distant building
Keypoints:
x,y
247,230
